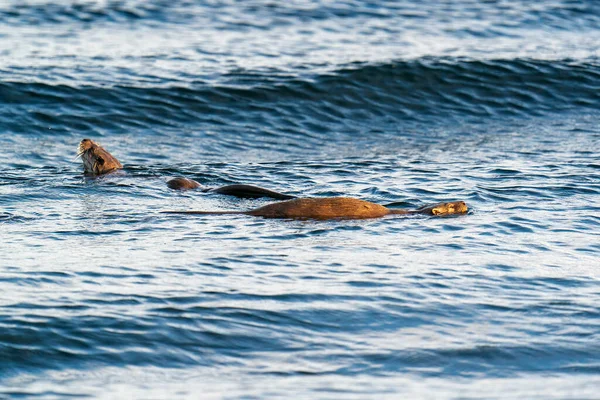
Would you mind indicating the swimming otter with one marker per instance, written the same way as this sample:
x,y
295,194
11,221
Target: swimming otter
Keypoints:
x,y
98,161
243,191
336,208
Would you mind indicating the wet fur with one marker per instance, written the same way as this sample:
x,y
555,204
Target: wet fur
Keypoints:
x,y
96,160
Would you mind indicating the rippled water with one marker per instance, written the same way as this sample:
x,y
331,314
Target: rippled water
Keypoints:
x,y
495,103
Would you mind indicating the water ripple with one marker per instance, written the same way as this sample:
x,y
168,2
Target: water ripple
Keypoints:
x,y
494,103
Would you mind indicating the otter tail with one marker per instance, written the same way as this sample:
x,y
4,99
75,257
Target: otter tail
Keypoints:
x,y
401,212
204,212
250,192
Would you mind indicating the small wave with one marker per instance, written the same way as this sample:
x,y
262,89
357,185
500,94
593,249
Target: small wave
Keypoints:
x,y
380,95
457,17
240,15
83,12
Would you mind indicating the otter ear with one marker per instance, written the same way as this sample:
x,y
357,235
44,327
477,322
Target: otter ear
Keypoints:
x,y
100,160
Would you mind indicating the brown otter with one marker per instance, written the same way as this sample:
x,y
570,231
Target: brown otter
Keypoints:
x,y
98,161
336,208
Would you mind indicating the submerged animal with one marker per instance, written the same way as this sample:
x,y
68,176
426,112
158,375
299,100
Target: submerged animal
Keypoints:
x,y
98,161
336,208
243,191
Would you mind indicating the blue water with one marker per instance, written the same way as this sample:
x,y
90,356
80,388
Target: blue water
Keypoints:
x,y
496,103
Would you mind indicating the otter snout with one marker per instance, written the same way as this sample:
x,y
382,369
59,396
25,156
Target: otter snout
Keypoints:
x,y
96,160
84,146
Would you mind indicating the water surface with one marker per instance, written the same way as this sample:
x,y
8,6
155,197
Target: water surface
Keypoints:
x,y
494,103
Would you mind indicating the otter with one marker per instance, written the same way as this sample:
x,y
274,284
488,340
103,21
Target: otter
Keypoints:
x,y
242,191
98,161
328,208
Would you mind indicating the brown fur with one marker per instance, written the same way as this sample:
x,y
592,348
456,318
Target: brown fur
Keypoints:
x,y
323,208
96,160
336,208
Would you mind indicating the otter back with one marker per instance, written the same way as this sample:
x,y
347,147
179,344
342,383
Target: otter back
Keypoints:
x,y
322,208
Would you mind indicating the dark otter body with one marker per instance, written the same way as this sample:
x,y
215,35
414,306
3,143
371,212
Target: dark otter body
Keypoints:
x,y
336,208
243,191
97,161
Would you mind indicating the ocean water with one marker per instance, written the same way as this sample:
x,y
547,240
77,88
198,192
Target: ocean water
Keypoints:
x,y
492,102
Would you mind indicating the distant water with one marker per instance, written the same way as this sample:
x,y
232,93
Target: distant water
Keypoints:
x,y
494,102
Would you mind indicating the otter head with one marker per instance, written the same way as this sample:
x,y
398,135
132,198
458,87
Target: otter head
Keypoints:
x,y
96,160
450,208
